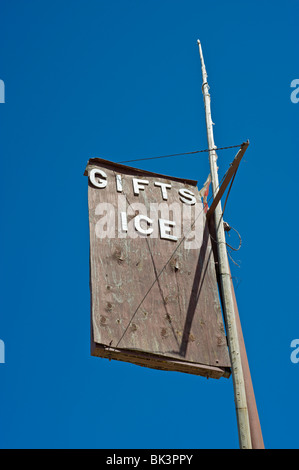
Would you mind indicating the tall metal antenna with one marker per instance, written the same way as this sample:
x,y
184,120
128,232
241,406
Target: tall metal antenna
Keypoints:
x,y
225,279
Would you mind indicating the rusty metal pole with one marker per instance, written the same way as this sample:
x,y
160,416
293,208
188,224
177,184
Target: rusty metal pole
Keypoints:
x,y
225,280
254,421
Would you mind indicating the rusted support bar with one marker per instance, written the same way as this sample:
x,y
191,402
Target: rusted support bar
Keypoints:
x,y
254,421
231,171
225,282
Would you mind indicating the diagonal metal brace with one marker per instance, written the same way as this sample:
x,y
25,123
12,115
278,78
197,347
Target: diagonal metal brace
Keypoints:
x,y
230,173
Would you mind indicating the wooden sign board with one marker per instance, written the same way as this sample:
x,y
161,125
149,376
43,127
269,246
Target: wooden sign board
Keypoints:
x,y
154,295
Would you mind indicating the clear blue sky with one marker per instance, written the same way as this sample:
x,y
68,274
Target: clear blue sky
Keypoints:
x,y
120,80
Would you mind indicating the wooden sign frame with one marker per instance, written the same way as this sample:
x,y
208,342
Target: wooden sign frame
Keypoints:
x,y
154,294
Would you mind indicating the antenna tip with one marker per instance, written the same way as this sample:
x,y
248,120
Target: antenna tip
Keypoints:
x,y
198,41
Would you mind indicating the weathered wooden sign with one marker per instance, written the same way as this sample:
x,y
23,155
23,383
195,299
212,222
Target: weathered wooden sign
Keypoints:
x,y
154,295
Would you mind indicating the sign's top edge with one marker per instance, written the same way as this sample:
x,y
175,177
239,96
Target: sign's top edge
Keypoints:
x,y
131,170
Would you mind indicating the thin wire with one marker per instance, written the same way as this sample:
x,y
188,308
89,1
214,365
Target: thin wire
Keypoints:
x,y
179,154
177,247
233,259
240,240
221,219
156,280
158,275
